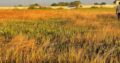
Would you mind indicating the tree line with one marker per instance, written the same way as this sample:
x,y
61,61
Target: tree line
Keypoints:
x,y
74,3
71,4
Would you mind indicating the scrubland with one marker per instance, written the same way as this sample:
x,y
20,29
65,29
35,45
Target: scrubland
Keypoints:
x,y
59,36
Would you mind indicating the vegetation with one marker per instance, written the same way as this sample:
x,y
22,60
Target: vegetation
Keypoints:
x,y
33,6
74,3
59,36
103,3
96,3
36,6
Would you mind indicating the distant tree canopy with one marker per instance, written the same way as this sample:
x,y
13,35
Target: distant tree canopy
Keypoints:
x,y
96,3
63,3
54,4
102,3
60,4
35,5
20,5
74,3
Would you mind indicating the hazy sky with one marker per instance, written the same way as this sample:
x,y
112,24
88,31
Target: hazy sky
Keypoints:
x,y
45,2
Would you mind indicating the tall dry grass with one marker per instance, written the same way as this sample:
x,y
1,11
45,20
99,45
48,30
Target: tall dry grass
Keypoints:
x,y
59,36
49,14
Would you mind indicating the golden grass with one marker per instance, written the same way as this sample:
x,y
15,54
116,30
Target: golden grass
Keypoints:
x,y
90,37
46,14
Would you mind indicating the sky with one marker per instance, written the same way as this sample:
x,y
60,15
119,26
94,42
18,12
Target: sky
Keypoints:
x,y
46,2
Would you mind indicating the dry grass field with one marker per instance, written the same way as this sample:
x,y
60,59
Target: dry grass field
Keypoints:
x,y
59,36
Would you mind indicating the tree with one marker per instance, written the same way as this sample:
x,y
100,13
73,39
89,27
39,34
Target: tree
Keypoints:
x,y
103,3
75,3
35,4
54,4
63,3
20,5
60,4
32,6
96,3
